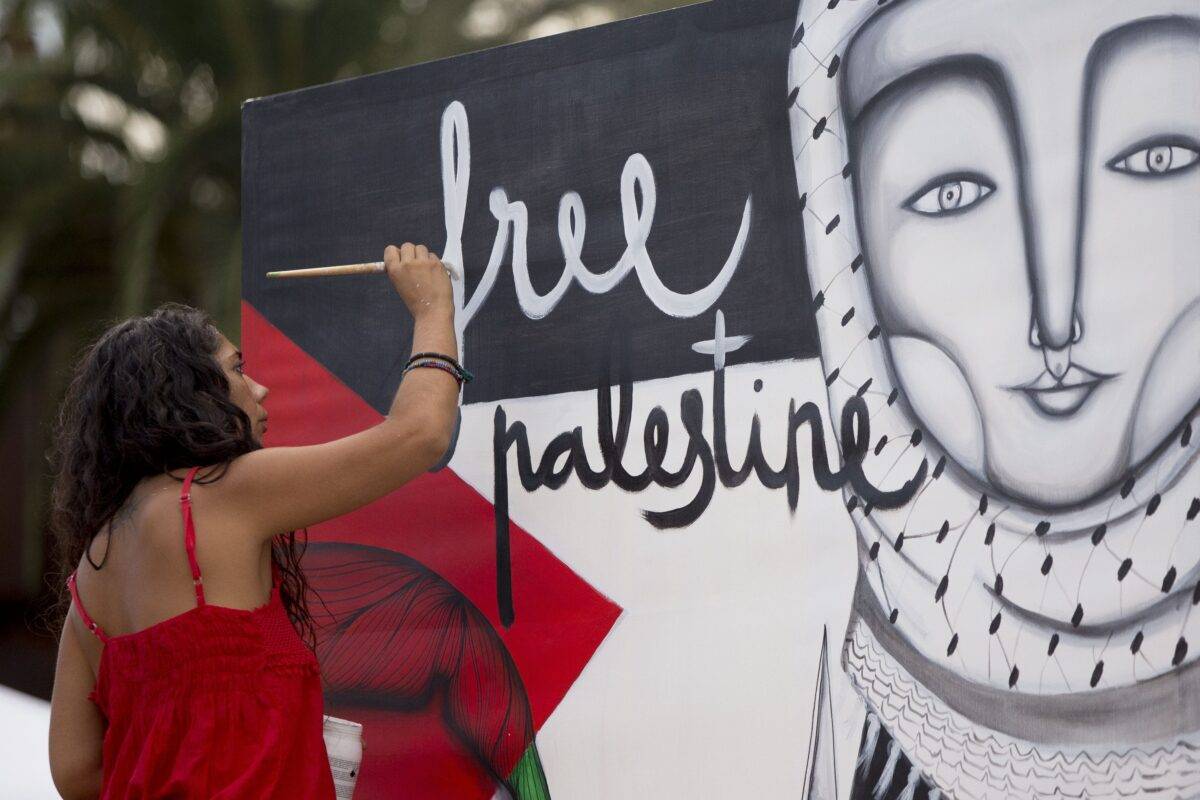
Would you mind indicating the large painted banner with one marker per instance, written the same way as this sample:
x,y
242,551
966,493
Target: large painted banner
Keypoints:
x,y
833,432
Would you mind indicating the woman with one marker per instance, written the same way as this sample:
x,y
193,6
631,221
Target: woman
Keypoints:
x,y
1001,232
181,669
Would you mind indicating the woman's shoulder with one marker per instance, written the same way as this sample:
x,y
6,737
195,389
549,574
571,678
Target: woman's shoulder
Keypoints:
x,y
162,495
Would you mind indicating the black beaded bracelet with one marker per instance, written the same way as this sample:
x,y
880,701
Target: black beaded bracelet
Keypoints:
x,y
462,372
435,364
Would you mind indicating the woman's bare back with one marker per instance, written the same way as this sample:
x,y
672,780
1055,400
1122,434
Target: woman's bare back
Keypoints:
x,y
144,577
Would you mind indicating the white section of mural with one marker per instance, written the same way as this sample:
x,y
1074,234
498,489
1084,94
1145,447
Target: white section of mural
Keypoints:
x,y
704,688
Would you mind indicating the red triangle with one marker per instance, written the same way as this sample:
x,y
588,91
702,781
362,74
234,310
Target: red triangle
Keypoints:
x,y
441,521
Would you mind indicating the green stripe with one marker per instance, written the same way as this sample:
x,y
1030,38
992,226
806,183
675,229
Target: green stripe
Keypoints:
x,y
528,779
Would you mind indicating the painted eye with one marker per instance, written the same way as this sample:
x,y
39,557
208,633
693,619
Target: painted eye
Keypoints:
x,y
1157,158
949,194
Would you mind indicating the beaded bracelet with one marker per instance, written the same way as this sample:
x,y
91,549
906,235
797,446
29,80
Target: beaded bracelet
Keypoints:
x,y
435,364
459,369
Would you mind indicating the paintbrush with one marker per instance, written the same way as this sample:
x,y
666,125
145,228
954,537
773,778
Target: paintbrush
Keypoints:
x,y
369,268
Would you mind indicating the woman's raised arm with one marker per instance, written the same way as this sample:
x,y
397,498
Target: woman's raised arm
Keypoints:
x,y
279,489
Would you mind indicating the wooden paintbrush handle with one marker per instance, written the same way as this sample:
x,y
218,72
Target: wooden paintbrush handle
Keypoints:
x,y
343,269
371,268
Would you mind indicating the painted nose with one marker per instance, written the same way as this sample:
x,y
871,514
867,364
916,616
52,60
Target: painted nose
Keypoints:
x,y
1058,359
1053,202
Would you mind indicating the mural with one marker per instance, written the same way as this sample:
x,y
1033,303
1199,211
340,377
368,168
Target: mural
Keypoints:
x,y
902,300
1027,217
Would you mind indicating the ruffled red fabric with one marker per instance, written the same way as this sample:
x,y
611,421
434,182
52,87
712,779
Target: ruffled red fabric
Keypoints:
x,y
213,703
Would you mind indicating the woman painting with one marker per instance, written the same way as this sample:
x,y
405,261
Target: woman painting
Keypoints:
x,y
1002,206
182,670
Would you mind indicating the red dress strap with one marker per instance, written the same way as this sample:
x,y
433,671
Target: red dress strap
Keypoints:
x,y
189,534
83,614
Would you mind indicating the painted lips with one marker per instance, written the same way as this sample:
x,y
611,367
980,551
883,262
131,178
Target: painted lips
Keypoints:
x,y
1061,397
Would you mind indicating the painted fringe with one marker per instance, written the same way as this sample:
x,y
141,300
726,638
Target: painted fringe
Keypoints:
x,y
866,753
889,770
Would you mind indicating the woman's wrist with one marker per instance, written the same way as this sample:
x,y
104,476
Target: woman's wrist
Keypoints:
x,y
436,314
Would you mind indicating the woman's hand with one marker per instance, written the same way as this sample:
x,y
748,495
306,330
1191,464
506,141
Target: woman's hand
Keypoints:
x,y
420,279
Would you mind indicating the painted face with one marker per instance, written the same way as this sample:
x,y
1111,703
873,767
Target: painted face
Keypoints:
x,y
243,390
1028,186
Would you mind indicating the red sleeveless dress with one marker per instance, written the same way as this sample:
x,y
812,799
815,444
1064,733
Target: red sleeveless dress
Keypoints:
x,y
212,703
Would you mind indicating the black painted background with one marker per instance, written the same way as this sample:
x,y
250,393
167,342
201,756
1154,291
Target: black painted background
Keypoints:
x,y
333,173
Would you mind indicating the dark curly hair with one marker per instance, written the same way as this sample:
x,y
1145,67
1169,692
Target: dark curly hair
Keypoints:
x,y
146,398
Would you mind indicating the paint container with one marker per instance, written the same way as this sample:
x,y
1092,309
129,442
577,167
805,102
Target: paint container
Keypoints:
x,y
344,743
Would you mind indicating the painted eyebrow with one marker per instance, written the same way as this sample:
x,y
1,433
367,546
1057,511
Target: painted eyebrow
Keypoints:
x,y
1111,41
974,66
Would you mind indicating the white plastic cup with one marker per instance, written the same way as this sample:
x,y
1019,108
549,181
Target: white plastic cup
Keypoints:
x,y
344,743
